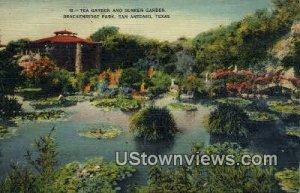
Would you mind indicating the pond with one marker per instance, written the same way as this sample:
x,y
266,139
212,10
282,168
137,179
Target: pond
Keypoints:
x,y
73,147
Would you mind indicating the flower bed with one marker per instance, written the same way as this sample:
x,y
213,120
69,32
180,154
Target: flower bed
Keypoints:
x,y
101,133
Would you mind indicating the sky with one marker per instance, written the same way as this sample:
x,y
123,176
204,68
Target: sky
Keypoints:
x,y
36,19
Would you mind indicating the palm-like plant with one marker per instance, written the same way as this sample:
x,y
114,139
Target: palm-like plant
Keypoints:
x,y
153,124
228,120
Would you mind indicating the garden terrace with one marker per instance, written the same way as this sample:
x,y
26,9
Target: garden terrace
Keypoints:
x,y
250,82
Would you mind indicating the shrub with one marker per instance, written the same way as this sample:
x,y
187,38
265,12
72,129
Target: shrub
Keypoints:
x,y
59,81
228,120
131,77
36,69
9,107
153,124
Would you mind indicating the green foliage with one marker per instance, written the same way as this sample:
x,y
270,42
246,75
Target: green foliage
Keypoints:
x,y
292,59
104,33
153,124
131,78
45,161
246,42
59,81
22,179
237,178
18,46
289,180
63,81
193,83
9,107
218,88
212,178
85,78
123,51
228,120
19,180
160,83
94,176
10,72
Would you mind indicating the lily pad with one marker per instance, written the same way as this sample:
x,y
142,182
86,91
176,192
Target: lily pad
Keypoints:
x,y
101,133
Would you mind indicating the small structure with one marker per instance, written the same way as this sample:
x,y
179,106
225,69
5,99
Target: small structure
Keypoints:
x,y
69,51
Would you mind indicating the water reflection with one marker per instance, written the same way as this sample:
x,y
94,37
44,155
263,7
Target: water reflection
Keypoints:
x,y
269,138
162,147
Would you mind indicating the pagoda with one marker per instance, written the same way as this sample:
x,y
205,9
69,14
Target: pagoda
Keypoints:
x,y
69,51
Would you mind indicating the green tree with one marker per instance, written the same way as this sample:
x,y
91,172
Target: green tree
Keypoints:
x,y
45,162
104,33
10,78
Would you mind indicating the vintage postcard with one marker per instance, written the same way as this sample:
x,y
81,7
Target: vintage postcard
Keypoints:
x,y
157,96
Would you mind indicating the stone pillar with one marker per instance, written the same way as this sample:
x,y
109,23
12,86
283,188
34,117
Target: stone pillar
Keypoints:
x,y
78,58
97,55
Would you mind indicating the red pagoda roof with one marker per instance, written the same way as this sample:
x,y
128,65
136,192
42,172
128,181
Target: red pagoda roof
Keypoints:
x,y
64,37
